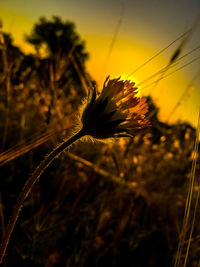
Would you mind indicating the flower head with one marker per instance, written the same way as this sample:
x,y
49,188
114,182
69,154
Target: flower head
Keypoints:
x,y
116,112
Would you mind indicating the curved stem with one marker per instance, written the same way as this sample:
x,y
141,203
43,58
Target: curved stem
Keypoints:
x,y
28,186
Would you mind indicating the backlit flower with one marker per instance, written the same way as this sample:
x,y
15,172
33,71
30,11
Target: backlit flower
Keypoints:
x,y
116,112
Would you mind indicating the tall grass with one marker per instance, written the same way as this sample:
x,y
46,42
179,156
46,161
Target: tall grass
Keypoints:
x,y
188,226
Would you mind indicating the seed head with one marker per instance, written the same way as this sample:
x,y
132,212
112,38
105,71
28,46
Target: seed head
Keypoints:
x,y
116,112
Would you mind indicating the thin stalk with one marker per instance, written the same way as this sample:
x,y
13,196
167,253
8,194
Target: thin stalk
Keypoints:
x,y
81,77
28,186
2,219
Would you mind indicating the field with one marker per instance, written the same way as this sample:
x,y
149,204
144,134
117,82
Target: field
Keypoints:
x,y
129,202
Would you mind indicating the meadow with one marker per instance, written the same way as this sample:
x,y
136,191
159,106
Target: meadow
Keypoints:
x,y
132,202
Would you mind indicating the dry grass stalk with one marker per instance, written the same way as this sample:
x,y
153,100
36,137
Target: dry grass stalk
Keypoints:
x,y
187,213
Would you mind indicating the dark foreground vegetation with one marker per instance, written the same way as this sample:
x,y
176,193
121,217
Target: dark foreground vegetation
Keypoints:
x,y
116,204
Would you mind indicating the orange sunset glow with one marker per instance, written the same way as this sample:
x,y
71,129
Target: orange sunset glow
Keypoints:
x,y
134,44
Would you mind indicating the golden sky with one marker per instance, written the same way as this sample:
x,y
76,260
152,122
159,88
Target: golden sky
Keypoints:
x,y
136,30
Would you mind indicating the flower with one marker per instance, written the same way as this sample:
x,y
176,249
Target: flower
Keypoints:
x,y
116,112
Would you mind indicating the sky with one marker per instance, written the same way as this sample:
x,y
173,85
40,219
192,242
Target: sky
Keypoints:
x,y
120,36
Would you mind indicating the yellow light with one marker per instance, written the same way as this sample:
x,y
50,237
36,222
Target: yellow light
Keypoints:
x,y
132,79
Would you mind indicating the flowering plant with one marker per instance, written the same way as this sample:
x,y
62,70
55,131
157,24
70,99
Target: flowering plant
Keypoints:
x,y
116,112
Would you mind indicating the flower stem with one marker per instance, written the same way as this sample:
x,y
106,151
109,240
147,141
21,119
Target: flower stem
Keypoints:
x,y
28,186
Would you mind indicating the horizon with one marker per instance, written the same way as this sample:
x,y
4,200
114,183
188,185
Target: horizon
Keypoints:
x,y
115,51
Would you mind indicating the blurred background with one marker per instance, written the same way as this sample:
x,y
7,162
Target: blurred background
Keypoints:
x,y
116,204
122,35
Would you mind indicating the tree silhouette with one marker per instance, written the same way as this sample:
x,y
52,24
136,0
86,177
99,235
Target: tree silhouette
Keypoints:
x,y
56,35
61,58
56,39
